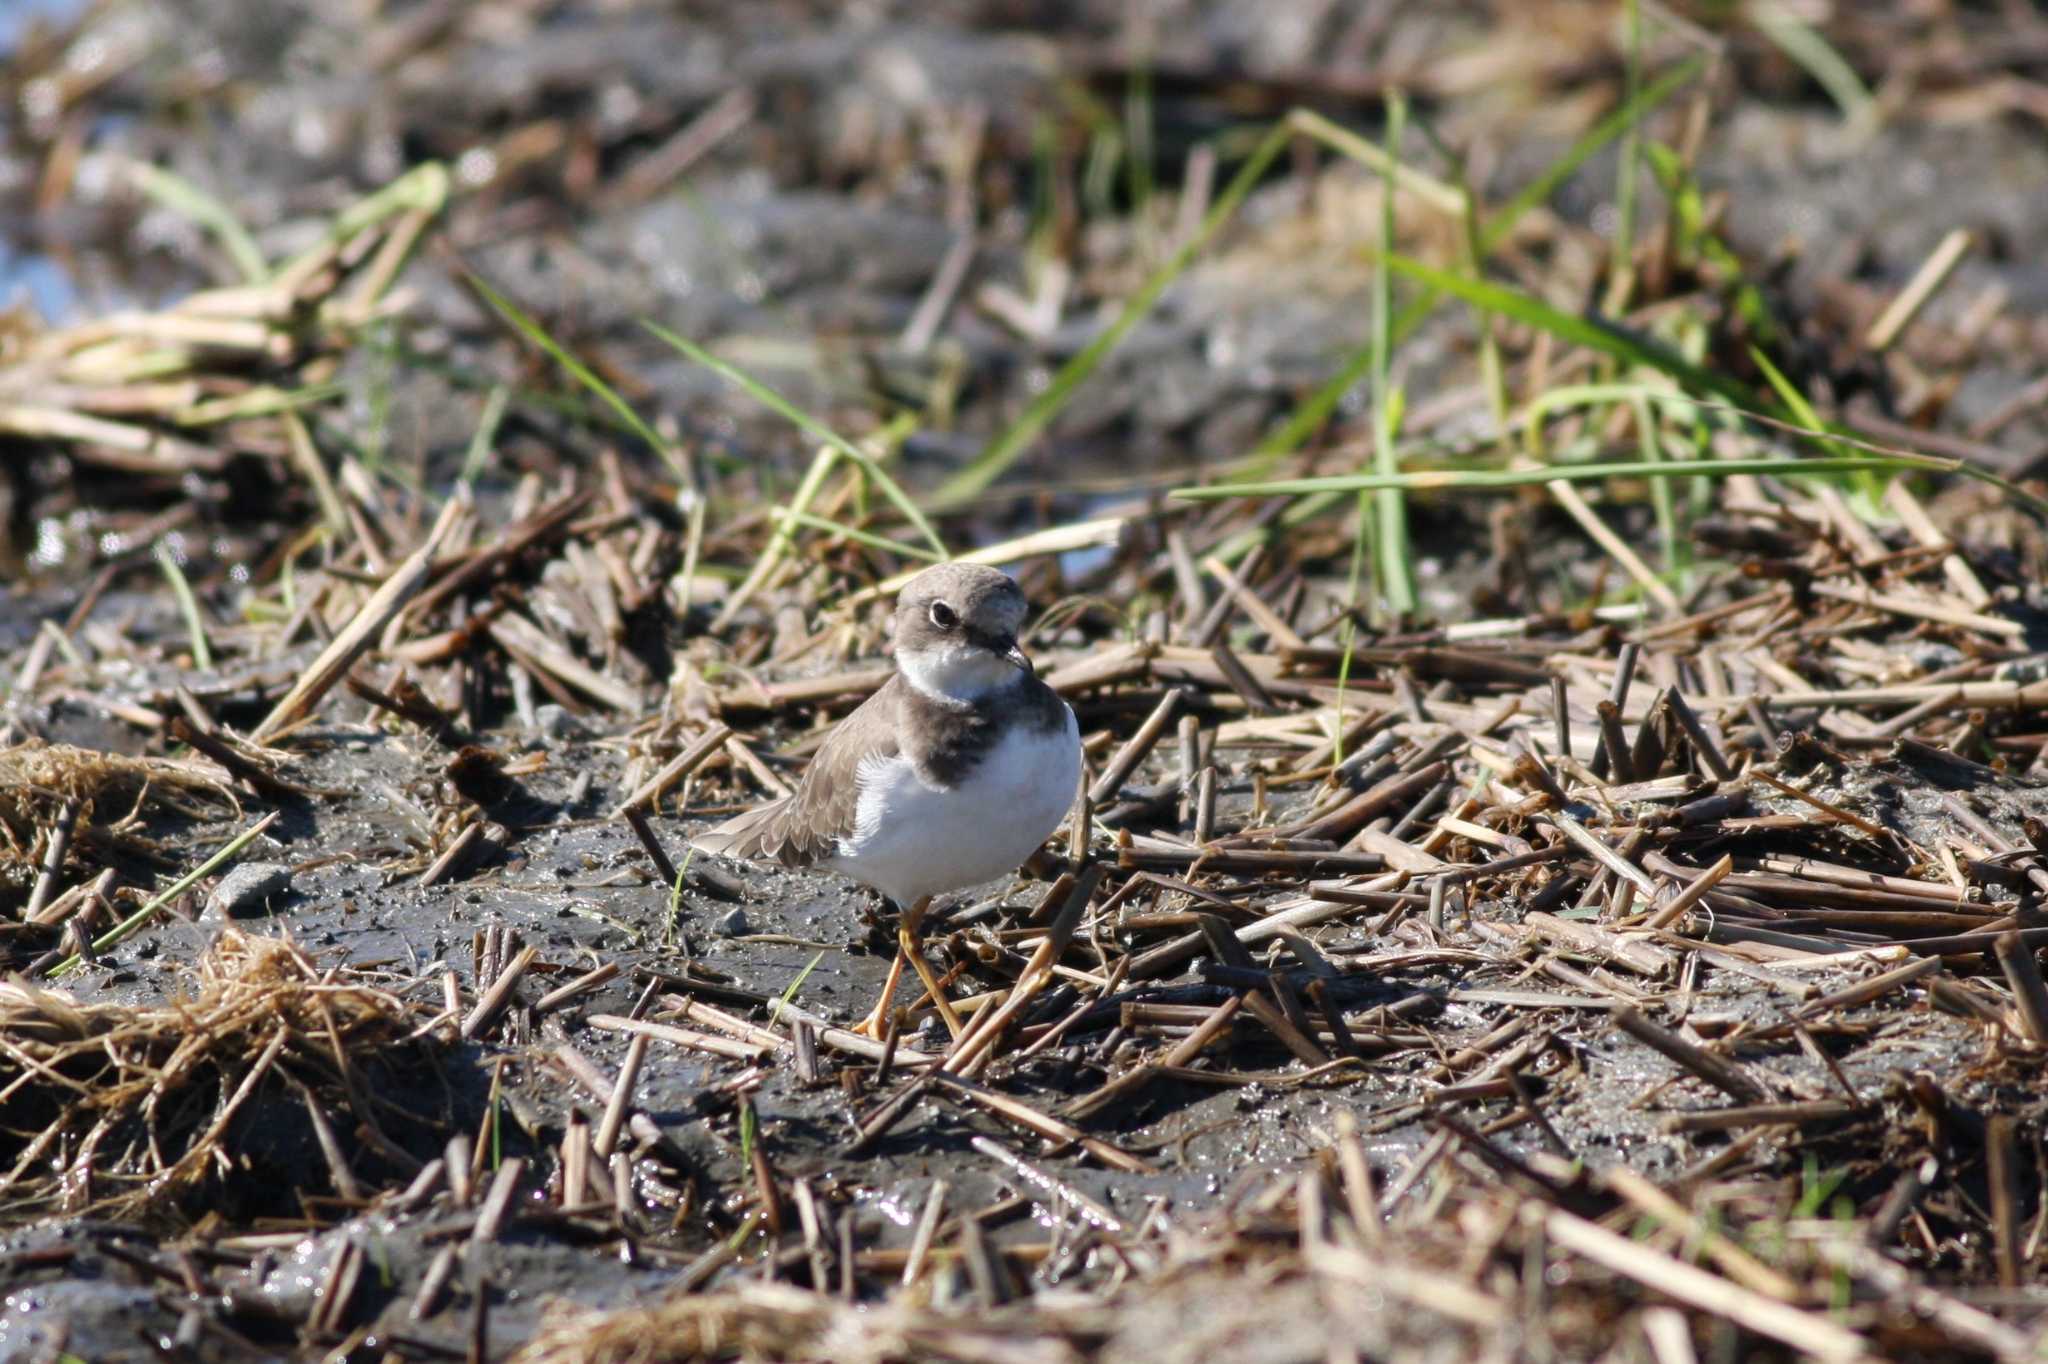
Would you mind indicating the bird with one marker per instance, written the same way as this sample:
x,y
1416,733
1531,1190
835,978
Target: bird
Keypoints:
x,y
952,773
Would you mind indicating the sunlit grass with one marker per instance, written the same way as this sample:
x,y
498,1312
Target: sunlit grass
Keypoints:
x,y
809,425
581,373
1470,480
188,605
1396,570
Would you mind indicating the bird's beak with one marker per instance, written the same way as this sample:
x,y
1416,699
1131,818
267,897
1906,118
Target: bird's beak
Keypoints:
x,y
1016,656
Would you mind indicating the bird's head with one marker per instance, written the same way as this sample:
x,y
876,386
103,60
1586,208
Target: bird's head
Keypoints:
x,y
956,632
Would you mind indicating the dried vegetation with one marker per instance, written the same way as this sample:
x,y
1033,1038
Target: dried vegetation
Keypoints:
x,y
129,1106
1645,961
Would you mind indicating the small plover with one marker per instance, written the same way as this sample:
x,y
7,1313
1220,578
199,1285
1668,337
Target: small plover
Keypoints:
x,y
951,774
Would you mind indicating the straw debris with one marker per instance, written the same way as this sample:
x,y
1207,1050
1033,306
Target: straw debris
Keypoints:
x,y
143,1115
112,799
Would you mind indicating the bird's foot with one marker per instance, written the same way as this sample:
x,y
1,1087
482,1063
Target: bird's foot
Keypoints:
x,y
876,1024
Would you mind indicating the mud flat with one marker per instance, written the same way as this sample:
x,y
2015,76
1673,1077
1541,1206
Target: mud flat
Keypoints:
x,y
1529,905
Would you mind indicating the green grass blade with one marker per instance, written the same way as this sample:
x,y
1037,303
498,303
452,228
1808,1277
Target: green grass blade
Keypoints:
x,y
1620,266
129,926
580,372
496,1105
1317,496
783,540
1396,571
750,1132
1492,373
808,424
1000,453
1315,410
188,605
1795,402
1445,199
1677,559
380,377
859,536
675,898
1138,139
183,197
1584,395
1804,45
265,400
1804,415
775,1015
1303,511
1464,479
484,439
1099,168
1310,416
1628,115
1581,331
425,187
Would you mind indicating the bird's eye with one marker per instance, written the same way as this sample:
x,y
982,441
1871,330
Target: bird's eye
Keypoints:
x,y
942,616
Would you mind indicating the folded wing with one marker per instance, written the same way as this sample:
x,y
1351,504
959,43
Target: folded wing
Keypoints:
x,y
805,827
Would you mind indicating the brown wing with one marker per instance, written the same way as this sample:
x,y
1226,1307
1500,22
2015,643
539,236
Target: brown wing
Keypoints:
x,y
804,827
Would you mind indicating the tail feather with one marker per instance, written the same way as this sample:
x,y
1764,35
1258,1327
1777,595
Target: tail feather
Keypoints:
x,y
760,832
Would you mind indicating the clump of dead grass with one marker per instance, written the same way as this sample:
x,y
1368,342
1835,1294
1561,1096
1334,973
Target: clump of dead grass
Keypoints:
x,y
763,1320
125,1112
779,1321
112,795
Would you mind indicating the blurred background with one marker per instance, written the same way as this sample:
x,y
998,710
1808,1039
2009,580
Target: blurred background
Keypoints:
x,y
925,210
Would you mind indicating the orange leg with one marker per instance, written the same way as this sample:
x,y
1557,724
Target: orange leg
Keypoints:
x,y
876,1024
909,947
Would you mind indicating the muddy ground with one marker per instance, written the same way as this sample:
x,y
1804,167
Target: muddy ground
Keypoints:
x,y
782,182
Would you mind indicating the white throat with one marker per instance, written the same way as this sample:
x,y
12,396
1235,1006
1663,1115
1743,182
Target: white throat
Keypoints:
x,y
957,674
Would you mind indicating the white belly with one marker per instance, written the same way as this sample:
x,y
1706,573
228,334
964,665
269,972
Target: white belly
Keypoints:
x,y
911,840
